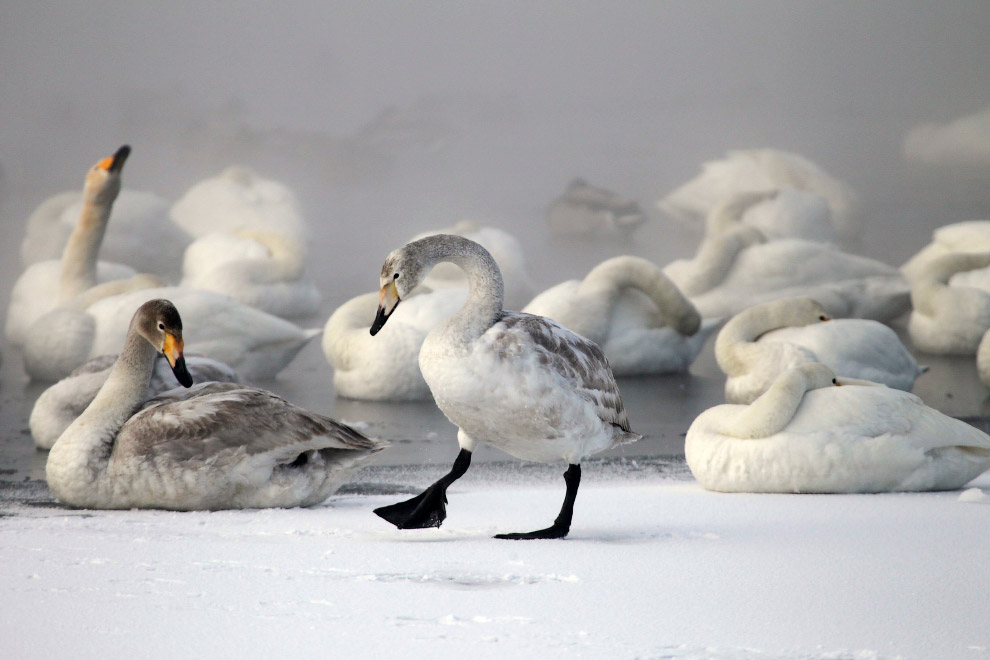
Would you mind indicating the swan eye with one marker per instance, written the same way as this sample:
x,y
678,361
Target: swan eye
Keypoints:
x,y
822,318
161,326
396,276
835,382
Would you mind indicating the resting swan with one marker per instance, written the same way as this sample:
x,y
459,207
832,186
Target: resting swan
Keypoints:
x,y
805,436
519,382
764,341
633,311
59,405
759,170
504,248
779,213
215,446
966,236
238,198
739,268
584,209
257,268
46,284
386,367
949,319
255,344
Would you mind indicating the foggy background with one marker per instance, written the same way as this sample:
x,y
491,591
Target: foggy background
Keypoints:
x,y
391,118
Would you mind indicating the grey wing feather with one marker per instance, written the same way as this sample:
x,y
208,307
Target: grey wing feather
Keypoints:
x,y
211,420
571,356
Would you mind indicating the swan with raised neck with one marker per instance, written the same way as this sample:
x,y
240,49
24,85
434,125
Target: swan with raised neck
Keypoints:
x,y
519,382
949,319
79,258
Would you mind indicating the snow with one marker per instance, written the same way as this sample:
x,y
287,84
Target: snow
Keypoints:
x,y
654,567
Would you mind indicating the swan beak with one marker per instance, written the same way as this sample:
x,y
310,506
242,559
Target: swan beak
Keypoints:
x,y
388,300
115,162
172,348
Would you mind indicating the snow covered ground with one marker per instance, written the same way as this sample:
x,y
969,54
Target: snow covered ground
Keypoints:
x,y
655,567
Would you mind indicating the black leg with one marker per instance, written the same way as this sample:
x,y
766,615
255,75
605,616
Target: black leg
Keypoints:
x,y
562,525
428,509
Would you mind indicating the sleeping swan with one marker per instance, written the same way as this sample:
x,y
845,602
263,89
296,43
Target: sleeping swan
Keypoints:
x,y
215,446
764,341
633,311
386,367
949,319
519,382
805,436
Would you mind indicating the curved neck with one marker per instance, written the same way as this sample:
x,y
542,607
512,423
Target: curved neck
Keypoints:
x,y
728,215
633,272
286,260
934,280
82,250
486,291
772,411
716,256
736,347
347,329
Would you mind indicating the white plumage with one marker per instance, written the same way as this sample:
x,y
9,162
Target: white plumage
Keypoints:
x,y
949,319
806,436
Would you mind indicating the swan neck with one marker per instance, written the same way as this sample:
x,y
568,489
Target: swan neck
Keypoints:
x,y
79,258
485,288
772,411
716,256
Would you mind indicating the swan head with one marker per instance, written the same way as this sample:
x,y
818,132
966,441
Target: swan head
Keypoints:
x,y
158,321
401,273
103,179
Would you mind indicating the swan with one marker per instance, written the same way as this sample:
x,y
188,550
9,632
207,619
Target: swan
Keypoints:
x,y
805,436
238,198
587,209
504,248
948,319
215,446
59,405
519,382
633,311
785,212
257,268
764,341
141,235
970,236
45,284
752,170
255,344
739,268
386,367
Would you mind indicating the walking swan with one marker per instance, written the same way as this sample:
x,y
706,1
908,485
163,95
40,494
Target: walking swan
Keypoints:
x,y
519,382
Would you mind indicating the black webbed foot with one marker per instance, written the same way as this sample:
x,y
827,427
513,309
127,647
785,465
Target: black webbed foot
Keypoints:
x,y
555,531
428,509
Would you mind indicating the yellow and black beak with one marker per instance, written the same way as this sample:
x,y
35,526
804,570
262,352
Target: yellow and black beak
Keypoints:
x,y
172,348
388,300
115,163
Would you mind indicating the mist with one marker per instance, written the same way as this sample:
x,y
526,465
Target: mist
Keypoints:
x,y
392,118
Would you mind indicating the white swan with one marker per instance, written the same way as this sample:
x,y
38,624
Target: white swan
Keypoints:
x,y
738,269
764,341
59,405
756,170
782,213
386,367
255,344
504,248
969,236
586,209
257,268
633,311
238,198
45,284
216,446
949,319
519,382
964,141
806,436
141,235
